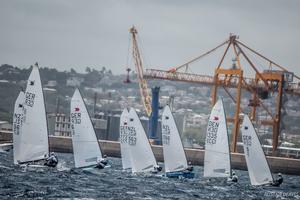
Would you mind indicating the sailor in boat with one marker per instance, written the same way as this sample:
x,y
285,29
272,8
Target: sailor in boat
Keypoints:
x,y
52,160
278,181
102,162
234,177
157,169
190,168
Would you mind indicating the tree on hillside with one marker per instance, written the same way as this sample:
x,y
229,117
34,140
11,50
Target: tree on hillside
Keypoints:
x,y
88,70
73,71
103,70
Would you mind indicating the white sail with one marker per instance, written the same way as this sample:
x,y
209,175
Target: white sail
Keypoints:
x,y
34,141
258,168
85,144
174,155
142,159
17,125
217,156
125,151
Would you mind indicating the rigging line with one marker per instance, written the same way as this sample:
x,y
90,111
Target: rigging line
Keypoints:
x,y
252,65
237,57
142,54
190,71
255,59
232,98
261,103
277,65
202,55
128,52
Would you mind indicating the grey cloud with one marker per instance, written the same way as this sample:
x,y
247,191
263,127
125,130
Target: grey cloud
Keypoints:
x,y
79,33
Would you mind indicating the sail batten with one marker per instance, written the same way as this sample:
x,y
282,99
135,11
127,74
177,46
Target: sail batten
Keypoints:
x,y
174,155
258,168
85,144
217,154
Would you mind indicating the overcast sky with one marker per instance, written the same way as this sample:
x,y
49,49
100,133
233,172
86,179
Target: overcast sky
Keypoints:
x,y
94,33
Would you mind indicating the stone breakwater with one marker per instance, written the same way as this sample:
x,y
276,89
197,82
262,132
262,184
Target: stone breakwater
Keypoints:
x,y
195,156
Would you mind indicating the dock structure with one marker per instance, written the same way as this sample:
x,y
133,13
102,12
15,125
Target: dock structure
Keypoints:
x,y
265,79
195,156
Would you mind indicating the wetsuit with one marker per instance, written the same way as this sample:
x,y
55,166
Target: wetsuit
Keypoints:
x,y
51,161
234,178
101,164
277,182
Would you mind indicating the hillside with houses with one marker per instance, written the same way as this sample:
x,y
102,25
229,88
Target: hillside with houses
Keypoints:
x,y
107,93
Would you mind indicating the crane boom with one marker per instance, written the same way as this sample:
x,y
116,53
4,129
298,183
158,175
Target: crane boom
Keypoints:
x,y
248,83
146,99
278,82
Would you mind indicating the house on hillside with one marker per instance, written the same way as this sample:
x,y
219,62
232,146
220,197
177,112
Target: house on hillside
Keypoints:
x,y
74,81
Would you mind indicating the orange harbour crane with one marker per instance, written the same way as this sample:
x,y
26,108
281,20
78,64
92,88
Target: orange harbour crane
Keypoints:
x,y
146,99
276,81
151,105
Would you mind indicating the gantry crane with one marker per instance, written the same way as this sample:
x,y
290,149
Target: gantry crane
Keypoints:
x,y
277,81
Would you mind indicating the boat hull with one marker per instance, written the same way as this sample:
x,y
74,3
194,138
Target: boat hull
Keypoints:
x,y
6,147
180,174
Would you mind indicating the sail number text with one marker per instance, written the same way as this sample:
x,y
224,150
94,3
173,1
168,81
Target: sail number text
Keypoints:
x,y
212,130
166,134
127,135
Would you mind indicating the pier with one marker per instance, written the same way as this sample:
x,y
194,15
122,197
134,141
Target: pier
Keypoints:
x,y
195,156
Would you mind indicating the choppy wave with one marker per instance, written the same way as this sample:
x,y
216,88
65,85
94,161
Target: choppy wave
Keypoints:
x,y
113,183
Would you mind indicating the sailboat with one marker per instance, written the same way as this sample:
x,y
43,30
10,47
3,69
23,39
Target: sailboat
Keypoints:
x,y
258,167
17,125
174,155
125,151
87,152
31,142
142,157
217,154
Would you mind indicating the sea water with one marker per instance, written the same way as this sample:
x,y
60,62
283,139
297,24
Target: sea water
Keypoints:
x,y
113,183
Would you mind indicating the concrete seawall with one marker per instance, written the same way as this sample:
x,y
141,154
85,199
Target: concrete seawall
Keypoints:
x,y
196,156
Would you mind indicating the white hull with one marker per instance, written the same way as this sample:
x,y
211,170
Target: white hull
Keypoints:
x,y
6,147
